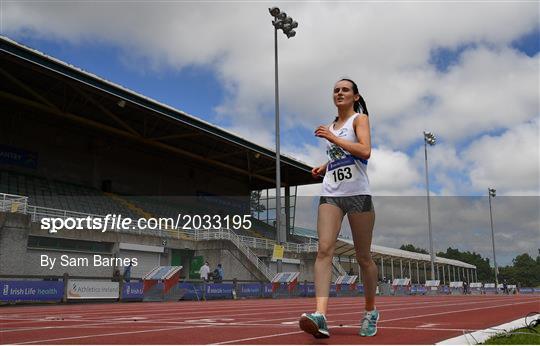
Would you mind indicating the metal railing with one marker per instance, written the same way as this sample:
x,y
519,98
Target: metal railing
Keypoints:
x,y
337,265
226,234
13,203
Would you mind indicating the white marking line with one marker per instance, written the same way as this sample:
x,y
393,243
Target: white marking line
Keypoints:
x,y
428,325
147,308
255,338
479,336
410,328
201,309
102,335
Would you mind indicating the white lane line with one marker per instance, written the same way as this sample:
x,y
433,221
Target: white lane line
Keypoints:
x,y
255,338
337,302
479,336
102,335
451,312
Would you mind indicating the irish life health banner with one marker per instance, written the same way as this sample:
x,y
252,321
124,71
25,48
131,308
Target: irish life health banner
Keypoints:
x,y
31,290
90,289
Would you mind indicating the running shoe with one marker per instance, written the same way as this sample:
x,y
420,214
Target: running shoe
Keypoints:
x,y
314,324
368,326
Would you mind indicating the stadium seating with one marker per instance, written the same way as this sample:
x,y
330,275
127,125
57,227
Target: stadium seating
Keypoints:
x,y
60,195
43,192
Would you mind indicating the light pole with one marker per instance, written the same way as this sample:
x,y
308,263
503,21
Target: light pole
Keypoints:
x,y
492,193
429,138
287,24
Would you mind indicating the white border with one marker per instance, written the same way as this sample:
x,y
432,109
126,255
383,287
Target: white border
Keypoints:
x,y
480,336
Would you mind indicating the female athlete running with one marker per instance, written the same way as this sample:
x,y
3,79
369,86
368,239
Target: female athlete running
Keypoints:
x,y
345,192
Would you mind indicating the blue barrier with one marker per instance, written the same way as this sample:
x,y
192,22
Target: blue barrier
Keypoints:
x,y
31,291
216,291
529,290
249,290
132,291
267,290
191,291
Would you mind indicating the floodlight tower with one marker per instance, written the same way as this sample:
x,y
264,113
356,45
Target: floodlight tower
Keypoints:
x,y
429,138
492,193
287,25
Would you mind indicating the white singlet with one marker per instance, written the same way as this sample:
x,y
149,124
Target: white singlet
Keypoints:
x,y
346,174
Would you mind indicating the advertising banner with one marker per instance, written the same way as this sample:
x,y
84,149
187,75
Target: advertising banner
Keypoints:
x,y
214,291
191,291
132,290
90,289
31,290
250,290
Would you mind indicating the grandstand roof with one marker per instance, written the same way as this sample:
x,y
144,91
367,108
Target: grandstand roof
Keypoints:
x,y
345,248
42,83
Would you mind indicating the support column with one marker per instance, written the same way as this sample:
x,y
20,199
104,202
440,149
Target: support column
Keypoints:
x,y
425,274
454,271
417,274
392,266
401,268
443,275
382,267
410,271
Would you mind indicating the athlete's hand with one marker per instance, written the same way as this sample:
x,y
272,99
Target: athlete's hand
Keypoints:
x,y
318,172
324,132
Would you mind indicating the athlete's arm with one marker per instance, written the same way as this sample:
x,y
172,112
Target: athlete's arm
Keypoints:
x,y
362,149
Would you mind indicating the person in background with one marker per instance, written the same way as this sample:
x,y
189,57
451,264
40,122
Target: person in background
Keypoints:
x,y
204,271
221,273
127,272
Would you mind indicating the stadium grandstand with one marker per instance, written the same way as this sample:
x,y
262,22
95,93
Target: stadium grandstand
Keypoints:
x,y
75,145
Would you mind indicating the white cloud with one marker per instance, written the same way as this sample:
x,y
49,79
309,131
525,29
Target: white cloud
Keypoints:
x,y
510,162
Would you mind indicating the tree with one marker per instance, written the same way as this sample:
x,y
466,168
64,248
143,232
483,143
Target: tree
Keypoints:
x,y
524,270
412,248
483,269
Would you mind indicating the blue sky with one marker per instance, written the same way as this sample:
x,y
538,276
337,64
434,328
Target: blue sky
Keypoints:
x,y
467,72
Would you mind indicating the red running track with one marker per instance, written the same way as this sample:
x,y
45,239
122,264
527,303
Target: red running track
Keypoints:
x,y
404,320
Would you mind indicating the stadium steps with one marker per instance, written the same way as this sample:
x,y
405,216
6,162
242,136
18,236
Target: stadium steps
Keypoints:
x,y
254,233
137,210
337,269
245,260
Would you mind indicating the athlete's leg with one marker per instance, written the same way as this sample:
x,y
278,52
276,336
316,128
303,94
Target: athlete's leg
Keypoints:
x,y
362,230
328,225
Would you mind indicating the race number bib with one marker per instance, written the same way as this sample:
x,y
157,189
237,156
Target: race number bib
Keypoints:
x,y
342,170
